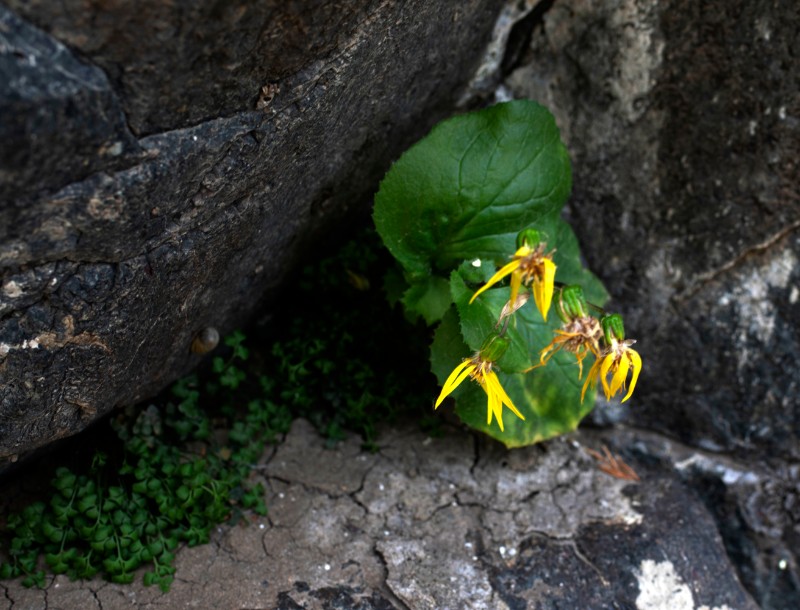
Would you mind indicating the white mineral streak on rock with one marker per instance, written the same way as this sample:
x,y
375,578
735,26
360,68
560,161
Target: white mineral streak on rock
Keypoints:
x,y
495,50
729,475
754,305
661,588
640,55
752,295
12,289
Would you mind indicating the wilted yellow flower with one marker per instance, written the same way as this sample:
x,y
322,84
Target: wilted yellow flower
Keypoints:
x,y
529,266
618,359
479,369
580,333
579,337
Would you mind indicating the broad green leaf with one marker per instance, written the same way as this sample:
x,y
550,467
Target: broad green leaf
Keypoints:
x,y
479,319
476,271
539,395
467,189
448,348
451,207
549,397
394,286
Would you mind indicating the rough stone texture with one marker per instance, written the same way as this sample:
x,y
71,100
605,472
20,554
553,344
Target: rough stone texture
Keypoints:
x,y
164,164
683,122
754,505
199,61
455,522
682,119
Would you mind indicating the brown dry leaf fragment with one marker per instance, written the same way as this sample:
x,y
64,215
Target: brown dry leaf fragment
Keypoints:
x,y
613,464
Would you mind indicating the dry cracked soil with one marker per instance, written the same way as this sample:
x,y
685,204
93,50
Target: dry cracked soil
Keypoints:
x,y
449,522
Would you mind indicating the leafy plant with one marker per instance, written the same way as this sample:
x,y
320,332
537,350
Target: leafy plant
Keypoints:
x,y
484,191
332,368
135,508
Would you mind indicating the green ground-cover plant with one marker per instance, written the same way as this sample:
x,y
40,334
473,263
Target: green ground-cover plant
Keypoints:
x,y
134,506
350,362
477,200
165,475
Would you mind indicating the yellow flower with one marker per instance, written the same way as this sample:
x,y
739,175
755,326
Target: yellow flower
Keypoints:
x,y
479,369
528,266
580,333
580,337
618,360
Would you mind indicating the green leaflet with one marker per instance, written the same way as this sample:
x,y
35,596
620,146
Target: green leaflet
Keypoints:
x,y
449,210
567,257
548,397
429,298
466,189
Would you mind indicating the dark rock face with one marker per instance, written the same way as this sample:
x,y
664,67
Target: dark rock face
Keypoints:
x,y
61,118
683,123
607,562
182,63
167,165
683,120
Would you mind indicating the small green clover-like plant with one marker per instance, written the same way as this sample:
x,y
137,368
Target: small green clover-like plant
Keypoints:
x,y
136,510
475,202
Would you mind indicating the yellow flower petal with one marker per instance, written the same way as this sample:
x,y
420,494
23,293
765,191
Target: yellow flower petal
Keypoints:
x,y
591,378
620,375
607,362
459,374
536,288
636,366
545,287
516,282
510,267
494,382
493,407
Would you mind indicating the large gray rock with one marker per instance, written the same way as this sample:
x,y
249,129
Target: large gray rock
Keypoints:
x,y
683,121
455,522
684,128
163,165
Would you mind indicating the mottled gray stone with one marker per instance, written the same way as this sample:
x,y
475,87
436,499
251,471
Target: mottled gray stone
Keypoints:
x,y
454,522
683,123
61,120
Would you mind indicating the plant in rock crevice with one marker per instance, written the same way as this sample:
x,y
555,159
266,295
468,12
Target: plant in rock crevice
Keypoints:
x,y
477,201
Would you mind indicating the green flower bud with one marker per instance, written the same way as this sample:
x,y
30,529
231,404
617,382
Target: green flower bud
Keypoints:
x,y
571,304
528,237
613,327
494,347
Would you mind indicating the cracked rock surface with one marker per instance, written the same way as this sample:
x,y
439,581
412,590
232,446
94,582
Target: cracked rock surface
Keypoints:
x,y
682,120
454,522
163,165
683,125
